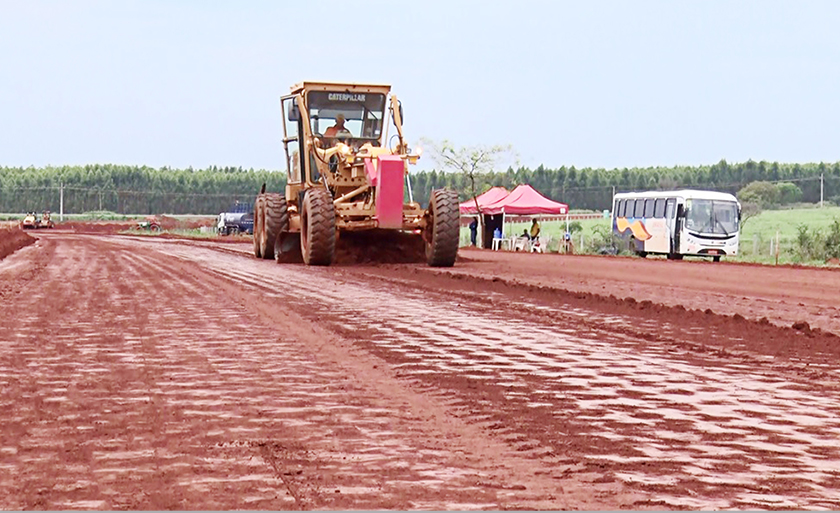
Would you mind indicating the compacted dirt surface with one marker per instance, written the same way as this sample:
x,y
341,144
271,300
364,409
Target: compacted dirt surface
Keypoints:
x,y
148,373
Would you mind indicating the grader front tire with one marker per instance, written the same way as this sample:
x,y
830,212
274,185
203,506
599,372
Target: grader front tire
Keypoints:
x,y
317,227
442,229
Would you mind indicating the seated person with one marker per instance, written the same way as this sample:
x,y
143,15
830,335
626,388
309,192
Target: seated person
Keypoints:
x,y
337,131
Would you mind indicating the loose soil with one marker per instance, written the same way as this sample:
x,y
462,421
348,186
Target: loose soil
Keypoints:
x,y
145,373
12,239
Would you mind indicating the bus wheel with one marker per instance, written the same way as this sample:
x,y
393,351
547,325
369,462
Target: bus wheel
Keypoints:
x,y
642,254
716,258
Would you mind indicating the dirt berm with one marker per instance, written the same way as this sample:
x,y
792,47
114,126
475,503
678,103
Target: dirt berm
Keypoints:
x,y
373,247
12,239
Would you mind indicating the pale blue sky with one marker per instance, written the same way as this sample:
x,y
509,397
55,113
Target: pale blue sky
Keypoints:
x,y
584,83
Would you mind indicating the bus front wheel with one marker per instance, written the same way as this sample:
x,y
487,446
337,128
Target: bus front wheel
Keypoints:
x,y
633,250
716,258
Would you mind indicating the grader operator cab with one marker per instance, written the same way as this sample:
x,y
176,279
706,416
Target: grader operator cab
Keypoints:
x,y
345,173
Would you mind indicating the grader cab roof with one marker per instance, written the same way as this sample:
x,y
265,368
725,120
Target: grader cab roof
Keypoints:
x,y
337,86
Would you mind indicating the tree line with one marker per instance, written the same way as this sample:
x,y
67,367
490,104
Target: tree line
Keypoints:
x,y
592,189
145,190
132,189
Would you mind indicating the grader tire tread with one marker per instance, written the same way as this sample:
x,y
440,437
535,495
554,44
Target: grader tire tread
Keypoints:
x,y
281,253
442,246
273,206
320,226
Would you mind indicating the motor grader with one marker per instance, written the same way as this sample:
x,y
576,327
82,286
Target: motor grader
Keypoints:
x,y
346,173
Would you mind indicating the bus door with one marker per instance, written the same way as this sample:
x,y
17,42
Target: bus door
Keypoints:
x,y
670,221
678,224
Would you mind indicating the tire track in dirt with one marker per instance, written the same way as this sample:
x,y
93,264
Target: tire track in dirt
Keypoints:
x,y
130,381
699,432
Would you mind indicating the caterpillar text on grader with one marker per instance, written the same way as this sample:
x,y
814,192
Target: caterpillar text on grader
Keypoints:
x,y
346,174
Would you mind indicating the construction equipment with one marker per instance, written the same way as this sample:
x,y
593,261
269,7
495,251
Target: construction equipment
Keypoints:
x,y
32,222
151,224
348,177
46,220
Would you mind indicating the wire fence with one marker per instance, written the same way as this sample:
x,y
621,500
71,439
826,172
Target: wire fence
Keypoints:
x,y
78,200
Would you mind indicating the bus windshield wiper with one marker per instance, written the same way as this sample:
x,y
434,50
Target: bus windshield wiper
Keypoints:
x,y
717,222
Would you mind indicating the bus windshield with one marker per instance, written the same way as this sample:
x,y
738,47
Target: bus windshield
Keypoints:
x,y
711,216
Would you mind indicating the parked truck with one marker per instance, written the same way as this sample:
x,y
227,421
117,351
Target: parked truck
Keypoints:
x,y
233,223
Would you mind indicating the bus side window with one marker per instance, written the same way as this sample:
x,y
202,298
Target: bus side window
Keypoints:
x,y
628,208
622,206
649,208
617,208
669,208
659,209
639,211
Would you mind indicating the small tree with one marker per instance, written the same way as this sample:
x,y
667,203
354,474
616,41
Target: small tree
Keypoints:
x,y
788,193
764,194
471,161
749,209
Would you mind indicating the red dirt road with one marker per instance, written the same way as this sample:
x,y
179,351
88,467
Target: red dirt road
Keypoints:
x,y
155,374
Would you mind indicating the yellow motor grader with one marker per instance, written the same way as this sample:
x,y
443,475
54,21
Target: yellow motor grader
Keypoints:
x,y
346,173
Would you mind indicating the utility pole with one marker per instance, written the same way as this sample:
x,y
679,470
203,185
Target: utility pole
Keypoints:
x,y
61,201
821,189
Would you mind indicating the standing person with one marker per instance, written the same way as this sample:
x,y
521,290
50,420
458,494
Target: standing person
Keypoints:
x,y
568,246
535,230
473,231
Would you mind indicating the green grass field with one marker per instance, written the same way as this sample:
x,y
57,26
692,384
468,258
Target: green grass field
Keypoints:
x,y
756,233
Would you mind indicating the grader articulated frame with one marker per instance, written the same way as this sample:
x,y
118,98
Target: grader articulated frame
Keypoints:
x,y
347,177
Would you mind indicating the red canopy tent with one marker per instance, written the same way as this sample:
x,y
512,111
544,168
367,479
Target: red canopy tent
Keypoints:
x,y
525,200
491,196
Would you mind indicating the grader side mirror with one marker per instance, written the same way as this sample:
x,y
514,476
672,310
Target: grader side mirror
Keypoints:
x,y
393,114
294,113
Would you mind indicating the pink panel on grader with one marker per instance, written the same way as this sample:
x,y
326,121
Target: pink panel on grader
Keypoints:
x,y
389,191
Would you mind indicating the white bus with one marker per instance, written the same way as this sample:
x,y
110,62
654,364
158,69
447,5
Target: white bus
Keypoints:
x,y
678,223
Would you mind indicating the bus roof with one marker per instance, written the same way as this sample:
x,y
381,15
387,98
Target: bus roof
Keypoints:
x,y
684,193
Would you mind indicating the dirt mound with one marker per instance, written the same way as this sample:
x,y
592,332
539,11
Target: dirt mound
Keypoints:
x,y
370,247
12,239
170,223
101,227
110,227
374,247
379,247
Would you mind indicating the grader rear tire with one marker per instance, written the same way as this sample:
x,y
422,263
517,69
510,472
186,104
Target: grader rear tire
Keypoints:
x,y
286,244
442,229
259,220
317,227
272,218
